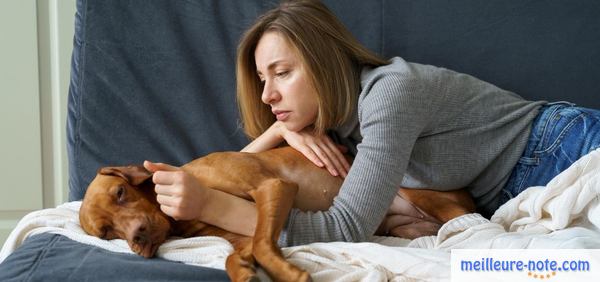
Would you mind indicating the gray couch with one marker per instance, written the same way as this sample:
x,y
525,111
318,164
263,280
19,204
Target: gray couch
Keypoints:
x,y
155,79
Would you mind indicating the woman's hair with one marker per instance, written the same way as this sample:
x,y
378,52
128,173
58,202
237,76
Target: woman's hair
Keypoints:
x,y
332,59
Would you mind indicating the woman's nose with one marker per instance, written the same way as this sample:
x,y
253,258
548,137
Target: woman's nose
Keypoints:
x,y
269,94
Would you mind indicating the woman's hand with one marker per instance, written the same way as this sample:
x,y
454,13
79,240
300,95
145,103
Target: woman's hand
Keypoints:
x,y
179,194
319,149
182,197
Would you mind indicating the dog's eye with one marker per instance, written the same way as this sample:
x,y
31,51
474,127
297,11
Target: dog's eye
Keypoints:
x,y
121,194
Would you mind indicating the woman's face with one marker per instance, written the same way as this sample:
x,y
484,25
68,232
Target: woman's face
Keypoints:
x,y
286,87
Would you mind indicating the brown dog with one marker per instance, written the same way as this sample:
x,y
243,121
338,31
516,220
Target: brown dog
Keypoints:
x,y
121,203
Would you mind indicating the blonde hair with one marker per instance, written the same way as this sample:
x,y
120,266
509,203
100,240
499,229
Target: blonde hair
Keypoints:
x,y
331,56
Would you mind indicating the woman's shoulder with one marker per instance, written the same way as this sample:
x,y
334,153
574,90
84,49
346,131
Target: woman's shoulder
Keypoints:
x,y
398,70
399,83
397,75
396,65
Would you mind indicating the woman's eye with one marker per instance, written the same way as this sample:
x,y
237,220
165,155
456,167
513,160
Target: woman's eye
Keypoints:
x,y
282,74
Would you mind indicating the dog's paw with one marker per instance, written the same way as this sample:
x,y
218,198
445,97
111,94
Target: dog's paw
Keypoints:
x,y
306,277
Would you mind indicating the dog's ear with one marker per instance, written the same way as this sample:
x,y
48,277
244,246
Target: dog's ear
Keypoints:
x,y
134,174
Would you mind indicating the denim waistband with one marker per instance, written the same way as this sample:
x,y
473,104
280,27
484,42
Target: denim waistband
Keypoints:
x,y
553,105
545,114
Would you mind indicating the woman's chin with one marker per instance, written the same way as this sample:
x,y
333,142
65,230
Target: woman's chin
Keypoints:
x,y
294,127
291,126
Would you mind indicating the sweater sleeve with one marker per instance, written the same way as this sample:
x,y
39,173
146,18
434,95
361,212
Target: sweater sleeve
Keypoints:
x,y
392,114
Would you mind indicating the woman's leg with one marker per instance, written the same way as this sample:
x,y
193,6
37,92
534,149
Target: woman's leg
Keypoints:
x,y
560,135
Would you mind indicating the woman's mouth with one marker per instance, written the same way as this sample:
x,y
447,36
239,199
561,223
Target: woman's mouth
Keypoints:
x,y
281,116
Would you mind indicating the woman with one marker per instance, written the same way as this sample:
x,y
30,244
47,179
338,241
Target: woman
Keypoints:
x,y
301,74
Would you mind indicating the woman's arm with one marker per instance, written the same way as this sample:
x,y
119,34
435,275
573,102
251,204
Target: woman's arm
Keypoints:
x,y
181,197
268,140
229,212
318,149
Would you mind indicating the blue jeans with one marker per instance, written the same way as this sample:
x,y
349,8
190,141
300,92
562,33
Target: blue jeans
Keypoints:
x,y
560,134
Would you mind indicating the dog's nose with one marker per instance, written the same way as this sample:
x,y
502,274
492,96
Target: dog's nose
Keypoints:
x,y
141,234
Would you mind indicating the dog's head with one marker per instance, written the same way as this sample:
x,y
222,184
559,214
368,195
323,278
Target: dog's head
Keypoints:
x,y
120,203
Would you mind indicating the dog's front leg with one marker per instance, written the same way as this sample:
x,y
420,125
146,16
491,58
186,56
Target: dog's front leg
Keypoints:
x,y
274,199
240,264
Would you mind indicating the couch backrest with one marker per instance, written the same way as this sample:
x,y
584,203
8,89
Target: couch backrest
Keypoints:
x,y
155,79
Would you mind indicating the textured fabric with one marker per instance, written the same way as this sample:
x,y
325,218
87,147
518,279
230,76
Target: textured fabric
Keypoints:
x,y
422,127
52,257
206,251
542,50
154,79
555,143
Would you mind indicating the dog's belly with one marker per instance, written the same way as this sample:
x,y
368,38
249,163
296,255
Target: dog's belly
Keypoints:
x,y
238,173
316,189
316,186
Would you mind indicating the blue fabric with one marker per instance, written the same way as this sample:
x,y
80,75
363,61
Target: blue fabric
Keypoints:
x,y
155,79
541,50
51,257
560,135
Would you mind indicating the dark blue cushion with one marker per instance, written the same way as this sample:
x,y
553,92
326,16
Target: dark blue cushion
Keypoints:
x,y
51,257
152,80
541,50
156,79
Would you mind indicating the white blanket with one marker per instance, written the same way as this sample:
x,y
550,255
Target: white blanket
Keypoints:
x,y
564,214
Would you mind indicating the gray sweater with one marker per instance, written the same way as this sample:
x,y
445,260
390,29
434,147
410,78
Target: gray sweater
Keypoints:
x,y
419,126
